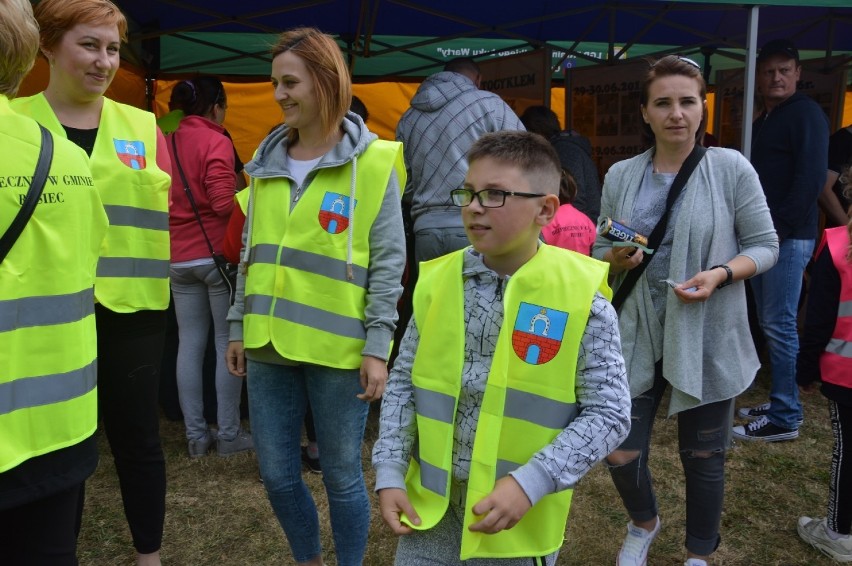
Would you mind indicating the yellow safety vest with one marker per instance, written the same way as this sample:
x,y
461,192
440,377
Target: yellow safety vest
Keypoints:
x,y
48,346
529,396
298,294
133,271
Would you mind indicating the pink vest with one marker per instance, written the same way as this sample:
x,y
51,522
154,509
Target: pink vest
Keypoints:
x,y
570,229
836,362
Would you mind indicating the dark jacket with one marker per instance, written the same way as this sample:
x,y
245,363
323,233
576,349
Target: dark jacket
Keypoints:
x,y
789,150
575,154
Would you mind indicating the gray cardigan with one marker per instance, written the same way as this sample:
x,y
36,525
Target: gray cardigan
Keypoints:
x,y
709,353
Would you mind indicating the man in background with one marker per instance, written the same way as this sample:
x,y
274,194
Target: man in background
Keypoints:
x,y
448,114
789,150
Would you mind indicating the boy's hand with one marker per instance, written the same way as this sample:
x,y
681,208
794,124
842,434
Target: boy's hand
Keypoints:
x,y
503,507
236,358
374,376
392,502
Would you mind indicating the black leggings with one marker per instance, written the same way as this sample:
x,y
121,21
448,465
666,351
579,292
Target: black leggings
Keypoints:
x,y
840,486
42,532
130,351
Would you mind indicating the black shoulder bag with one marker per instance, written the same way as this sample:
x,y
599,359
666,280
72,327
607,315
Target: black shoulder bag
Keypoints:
x,y
227,271
45,158
659,231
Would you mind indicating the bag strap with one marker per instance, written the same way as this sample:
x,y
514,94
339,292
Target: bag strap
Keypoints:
x,y
188,192
659,231
45,158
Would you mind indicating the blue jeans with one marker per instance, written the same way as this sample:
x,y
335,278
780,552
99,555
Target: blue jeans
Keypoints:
x,y
776,296
278,395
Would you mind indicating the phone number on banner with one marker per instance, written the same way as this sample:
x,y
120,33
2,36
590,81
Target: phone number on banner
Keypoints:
x,y
607,88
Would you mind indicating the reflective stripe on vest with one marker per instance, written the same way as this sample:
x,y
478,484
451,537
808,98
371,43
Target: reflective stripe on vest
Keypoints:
x,y
836,361
529,396
136,217
48,394
44,311
134,268
47,389
298,294
307,261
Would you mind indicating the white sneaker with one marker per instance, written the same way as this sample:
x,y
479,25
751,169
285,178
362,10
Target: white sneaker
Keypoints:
x,y
695,562
813,532
634,549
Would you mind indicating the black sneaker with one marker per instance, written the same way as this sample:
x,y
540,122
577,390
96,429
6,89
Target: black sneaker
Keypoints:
x,y
762,429
312,464
753,413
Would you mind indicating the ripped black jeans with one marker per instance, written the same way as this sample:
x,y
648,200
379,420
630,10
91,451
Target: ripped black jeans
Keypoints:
x,y
703,430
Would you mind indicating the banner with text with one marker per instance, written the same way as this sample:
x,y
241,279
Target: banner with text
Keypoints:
x,y
522,80
604,106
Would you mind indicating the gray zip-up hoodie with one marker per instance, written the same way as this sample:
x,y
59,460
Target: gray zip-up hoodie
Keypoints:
x,y
447,115
387,238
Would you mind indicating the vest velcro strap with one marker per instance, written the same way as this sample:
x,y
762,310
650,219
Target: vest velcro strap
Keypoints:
x,y
434,405
137,217
133,267
46,310
839,347
844,309
47,389
538,410
309,262
307,316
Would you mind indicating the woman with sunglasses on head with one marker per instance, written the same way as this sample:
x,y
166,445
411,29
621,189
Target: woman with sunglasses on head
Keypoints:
x,y
315,312
683,323
203,157
130,168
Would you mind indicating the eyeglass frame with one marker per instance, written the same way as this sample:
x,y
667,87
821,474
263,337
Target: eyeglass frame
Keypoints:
x,y
476,195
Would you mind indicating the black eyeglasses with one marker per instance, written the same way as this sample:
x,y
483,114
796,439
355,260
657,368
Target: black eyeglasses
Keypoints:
x,y
488,198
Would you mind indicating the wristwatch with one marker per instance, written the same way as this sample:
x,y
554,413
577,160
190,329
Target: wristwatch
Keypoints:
x,y
729,279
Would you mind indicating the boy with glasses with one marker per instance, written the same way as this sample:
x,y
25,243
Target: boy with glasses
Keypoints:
x,y
509,385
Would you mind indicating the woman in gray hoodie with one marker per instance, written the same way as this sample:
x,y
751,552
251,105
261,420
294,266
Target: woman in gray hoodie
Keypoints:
x,y
315,311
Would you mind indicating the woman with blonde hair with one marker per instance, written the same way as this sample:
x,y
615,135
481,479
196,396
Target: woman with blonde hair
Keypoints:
x,y
131,170
48,392
315,311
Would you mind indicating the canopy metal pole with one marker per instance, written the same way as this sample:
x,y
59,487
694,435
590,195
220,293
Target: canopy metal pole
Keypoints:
x,y
750,73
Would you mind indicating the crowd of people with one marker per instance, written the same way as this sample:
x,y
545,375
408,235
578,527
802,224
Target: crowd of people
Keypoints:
x,y
506,389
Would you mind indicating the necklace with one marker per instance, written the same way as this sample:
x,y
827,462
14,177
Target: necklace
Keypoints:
x,y
657,170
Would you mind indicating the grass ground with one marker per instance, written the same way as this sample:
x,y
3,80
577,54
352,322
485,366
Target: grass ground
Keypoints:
x,y
217,511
